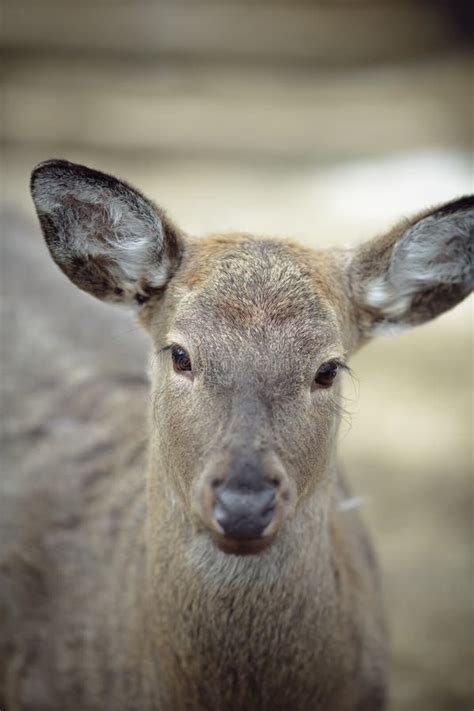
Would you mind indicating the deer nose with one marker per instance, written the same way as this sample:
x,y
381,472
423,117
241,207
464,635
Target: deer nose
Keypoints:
x,y
244,513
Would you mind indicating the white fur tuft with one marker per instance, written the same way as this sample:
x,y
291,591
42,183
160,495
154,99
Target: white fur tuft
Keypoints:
x,y
436,250
351,503
94,219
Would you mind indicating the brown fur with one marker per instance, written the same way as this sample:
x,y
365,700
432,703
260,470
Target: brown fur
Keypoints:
x,y
115,593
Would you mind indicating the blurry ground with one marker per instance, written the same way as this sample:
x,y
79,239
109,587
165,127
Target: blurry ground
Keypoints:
x,y
329,156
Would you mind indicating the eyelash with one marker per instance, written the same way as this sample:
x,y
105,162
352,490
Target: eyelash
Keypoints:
x,y
341,364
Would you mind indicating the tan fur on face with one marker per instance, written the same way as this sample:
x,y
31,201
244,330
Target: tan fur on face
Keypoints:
x,y
257,318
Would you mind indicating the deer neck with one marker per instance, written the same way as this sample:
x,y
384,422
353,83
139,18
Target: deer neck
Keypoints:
x,y
212,611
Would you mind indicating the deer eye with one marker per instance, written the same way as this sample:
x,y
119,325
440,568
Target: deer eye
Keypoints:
x,y
327,374
181,360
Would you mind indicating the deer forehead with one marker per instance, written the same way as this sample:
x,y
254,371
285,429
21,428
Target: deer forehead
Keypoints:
x,y
243,291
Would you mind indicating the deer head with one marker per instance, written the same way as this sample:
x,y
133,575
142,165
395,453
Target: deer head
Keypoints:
x,y
249,336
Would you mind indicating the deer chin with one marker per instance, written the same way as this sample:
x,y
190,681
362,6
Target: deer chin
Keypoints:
x,y
241,547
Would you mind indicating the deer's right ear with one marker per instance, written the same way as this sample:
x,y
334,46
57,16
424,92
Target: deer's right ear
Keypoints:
x,y
105,235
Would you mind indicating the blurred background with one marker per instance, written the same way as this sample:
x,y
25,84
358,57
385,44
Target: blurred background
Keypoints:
x,y
325,121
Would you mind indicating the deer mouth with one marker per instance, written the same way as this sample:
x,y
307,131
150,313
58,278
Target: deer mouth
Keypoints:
x,y
239,546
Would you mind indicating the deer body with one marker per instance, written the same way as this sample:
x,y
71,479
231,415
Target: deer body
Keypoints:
x,y
219,571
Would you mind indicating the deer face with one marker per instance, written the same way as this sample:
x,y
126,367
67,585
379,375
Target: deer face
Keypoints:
x,y
246,382
249,337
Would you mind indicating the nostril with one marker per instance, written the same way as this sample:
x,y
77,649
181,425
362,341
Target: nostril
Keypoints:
x,y
274,481
268,510
215,483
266,499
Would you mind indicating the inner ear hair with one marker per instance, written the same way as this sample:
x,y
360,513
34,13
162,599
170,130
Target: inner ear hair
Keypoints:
x,y
107,237
419,270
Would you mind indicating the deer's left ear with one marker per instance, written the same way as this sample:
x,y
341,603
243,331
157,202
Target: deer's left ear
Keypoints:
x,y
420,269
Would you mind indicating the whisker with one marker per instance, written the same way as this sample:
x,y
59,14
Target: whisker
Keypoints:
x,y
118,334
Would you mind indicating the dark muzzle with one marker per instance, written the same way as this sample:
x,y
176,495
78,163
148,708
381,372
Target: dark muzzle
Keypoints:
x,y
243,512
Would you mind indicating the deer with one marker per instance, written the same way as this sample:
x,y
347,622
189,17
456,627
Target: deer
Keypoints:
x,y
222,570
